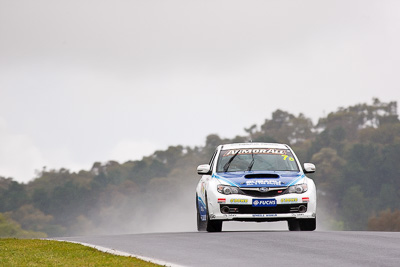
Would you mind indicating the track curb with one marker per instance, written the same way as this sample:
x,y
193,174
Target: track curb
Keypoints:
x,y
122,253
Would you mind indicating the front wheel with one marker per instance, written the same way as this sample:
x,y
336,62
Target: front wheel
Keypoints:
x,y
302,224
212,225
294,225
308,224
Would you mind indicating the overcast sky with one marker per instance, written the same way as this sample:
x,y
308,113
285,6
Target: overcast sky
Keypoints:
x,y
85,81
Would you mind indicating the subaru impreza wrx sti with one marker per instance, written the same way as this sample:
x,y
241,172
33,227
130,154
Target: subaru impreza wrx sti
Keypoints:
x,y
255,182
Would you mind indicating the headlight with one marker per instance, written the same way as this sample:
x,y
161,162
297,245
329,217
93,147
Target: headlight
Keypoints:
x,y
298,189
227,189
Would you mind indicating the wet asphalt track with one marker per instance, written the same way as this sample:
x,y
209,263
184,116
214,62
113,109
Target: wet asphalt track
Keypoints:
x,y
262,248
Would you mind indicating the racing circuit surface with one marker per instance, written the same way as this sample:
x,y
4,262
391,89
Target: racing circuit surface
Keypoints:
x,y
261,248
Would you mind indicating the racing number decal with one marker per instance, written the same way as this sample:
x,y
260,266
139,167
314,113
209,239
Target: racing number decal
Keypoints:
x,y
287,157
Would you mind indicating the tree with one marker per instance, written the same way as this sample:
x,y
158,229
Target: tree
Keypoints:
x,y
10,228
385,221
287,128
360,116
12,195
329,178
355,209
169,156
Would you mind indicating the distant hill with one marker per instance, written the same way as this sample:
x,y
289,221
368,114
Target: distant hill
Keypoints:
x,y
356,150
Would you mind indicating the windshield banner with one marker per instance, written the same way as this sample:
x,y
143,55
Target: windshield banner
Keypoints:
x,y
255,151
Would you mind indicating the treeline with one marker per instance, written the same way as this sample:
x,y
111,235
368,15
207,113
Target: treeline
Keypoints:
x,y
356,151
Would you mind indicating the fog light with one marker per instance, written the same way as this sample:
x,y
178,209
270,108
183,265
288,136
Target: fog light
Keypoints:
x,y
302,209
225,210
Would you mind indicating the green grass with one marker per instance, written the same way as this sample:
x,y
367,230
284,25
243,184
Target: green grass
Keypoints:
x,y
36,252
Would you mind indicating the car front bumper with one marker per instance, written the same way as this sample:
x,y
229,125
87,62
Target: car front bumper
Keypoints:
x,y
243,208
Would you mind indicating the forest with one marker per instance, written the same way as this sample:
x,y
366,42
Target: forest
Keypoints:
x,y
356,151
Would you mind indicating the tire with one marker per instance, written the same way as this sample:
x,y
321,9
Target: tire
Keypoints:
x,y
302,224
212,225
294,225
308,224
201,226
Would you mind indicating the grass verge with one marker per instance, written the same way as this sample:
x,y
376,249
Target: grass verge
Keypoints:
x,y
36,252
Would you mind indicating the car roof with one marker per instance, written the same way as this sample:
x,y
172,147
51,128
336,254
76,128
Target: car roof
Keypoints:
x,y
254,145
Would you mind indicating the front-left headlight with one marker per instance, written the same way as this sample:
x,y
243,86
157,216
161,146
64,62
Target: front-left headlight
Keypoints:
x,y
297,189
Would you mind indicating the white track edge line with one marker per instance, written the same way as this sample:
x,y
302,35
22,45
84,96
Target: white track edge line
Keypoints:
x,y
121,253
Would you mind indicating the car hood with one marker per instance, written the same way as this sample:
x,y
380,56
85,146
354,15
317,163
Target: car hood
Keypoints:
x,y
260,178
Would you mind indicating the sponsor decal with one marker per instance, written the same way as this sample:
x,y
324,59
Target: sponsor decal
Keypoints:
x,y
268,202
306,199
264,182
202,189
264,215
221,200
202,209
225,180
289,200
255,151
239,201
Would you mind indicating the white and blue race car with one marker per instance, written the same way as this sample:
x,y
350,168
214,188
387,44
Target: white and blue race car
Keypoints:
x,y
255,182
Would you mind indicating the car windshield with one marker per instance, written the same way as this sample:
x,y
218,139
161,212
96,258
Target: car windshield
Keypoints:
x,y
256,159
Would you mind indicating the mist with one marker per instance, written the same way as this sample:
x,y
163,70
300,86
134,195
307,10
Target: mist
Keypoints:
x,y
177,215
156,211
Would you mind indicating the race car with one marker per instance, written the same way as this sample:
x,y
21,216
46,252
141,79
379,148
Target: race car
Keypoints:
x,y
255,182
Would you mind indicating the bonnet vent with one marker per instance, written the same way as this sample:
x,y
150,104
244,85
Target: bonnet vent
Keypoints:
x,y
261,175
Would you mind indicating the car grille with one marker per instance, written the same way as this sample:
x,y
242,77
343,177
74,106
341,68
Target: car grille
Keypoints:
x,y
253,193
249,209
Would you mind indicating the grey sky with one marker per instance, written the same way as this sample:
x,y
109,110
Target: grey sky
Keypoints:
x,y
85,81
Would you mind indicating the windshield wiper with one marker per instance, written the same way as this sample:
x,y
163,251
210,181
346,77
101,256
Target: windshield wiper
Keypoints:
x,y
251,163
226,166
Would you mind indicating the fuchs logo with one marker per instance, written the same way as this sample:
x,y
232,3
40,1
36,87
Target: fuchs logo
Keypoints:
x,y
264,202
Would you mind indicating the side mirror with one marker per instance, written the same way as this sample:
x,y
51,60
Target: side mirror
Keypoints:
x,y
203,169
309,168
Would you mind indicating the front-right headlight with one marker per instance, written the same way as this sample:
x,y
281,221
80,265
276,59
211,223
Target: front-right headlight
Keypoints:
x,y
297,189
227,189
